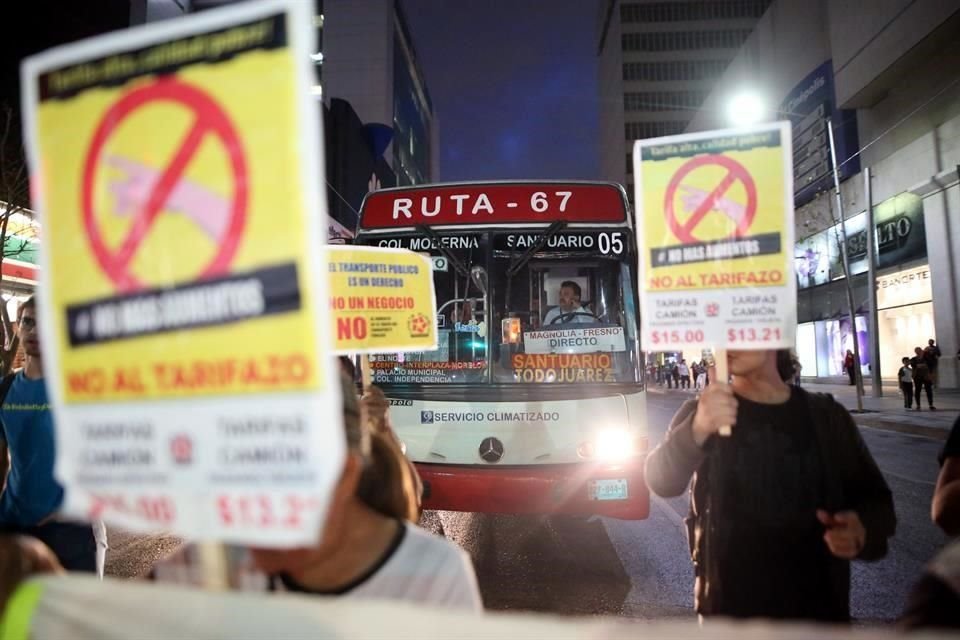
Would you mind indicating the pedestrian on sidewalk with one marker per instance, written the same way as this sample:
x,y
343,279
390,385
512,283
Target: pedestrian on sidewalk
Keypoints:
x,y
701,376
850,367
675,372
921,378
32,496
932,354
780,507
905,376
684,371
934,601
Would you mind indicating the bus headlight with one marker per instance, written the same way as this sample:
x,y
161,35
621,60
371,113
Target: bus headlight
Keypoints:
x,y
614,444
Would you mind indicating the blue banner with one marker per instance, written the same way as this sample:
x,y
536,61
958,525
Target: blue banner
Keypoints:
x,y
808,106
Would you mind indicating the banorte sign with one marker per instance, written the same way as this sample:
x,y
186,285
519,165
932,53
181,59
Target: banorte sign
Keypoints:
x,y
911,286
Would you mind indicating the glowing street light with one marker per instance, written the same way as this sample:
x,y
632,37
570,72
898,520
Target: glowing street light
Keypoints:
x,y
746,107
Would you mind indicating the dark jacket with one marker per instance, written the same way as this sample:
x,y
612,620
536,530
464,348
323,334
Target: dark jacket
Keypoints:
x,y
853,482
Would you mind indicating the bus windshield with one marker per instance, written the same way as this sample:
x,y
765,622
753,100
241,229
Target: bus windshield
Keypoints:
x,y
523,302
462,346
567,315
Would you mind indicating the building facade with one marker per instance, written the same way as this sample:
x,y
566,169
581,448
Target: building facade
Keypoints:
x,y
883,76
381,130
659,60
369,60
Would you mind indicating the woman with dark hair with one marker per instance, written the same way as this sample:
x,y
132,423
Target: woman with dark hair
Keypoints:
x,y
369,546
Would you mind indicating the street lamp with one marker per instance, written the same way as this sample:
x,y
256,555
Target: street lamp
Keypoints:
x,y
746,107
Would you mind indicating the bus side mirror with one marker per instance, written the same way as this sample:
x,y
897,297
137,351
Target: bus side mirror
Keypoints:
x,y
479,276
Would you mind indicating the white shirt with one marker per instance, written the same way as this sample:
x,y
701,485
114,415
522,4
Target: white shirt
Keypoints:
x,y
684,370
418,567
556,312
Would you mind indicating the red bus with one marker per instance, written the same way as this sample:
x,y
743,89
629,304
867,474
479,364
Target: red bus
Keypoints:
x,y
533,401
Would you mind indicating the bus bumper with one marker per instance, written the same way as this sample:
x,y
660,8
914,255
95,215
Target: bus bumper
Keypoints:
x,y
573,489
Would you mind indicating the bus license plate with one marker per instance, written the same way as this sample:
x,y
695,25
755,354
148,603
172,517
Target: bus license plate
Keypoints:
x,y
608,489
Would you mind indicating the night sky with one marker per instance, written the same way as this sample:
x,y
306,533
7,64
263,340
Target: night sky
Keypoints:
x,y
514,84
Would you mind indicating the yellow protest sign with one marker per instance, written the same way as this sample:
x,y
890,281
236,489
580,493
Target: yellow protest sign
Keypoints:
x,y
152,225
183,291
715,231
383,300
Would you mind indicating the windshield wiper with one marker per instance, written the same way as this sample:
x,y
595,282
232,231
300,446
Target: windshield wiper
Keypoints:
x,y
517,263
460,268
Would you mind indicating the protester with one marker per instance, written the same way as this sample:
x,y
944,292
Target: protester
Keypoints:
x,y
945,509
780,507
20,558
932,355
32,495
369,547
905,376
922,377
934,601
376,408
347,367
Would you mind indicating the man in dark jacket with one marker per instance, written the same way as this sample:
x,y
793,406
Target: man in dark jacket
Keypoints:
x,y
780,507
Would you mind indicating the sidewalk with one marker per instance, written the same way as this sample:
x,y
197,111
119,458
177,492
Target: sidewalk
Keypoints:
x,y
888,412
885,413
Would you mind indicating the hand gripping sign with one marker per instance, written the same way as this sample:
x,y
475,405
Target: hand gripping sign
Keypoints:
x,y
715,236
182,305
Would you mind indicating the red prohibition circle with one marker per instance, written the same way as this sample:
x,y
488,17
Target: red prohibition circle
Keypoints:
x,y
735,172
209,119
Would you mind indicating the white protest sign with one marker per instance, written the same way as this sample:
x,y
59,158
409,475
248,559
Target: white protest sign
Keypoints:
x,y
715,236
183,307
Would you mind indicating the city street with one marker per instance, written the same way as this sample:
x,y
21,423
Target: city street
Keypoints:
x,y
642,569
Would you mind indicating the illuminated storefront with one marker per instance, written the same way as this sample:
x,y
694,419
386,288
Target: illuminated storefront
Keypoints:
x,y
905,315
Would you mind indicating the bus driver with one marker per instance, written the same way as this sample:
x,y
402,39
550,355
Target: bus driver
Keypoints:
x,y
569,310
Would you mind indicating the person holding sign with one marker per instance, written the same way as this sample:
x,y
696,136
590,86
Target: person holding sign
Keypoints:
x,y
569,310
369,546
781,505
32,496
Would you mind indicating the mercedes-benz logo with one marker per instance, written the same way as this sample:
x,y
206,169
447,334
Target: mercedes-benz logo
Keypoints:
x,y
491,450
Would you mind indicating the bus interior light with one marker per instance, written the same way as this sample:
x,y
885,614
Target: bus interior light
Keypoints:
x,y
614,444
511,330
